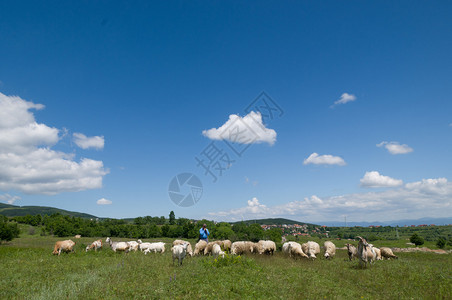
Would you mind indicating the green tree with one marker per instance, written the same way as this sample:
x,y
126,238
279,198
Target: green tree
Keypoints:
x,y
274,234
8,230
417,239
172,218
441,242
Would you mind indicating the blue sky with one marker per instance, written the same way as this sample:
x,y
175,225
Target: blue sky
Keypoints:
x,y
111,100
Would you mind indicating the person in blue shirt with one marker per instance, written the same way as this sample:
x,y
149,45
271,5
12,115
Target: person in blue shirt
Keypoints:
x,y
204,233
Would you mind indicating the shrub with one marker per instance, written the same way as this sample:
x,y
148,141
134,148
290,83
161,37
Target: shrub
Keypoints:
x,y
417,239
441,242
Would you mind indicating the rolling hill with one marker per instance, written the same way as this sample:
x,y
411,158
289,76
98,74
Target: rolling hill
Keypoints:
x,y
9,210
274,221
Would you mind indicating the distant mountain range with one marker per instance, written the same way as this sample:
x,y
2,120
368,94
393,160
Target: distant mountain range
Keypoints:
x,y
407,222
274,221
13,211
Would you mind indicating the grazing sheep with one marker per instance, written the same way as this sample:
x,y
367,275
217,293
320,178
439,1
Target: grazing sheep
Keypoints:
x,y
77,236
293,249
133,245
63,246
199,247
94,245
311,249
227,245
267,247
366,254
179,252
158,247
387,253
209,247
352,251
238,248
118,246
189,248
330,249
216,251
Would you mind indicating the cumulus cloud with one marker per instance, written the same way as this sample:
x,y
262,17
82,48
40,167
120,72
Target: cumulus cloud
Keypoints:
x,y
428,197
9,199
84,142
243,130
104,201
395,147
374,179
327,159
345,98
29,165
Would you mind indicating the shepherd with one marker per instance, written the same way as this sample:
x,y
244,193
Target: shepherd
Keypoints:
x,y
204,233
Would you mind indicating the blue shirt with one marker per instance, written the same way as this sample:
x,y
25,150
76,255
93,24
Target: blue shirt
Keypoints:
x,y
203,234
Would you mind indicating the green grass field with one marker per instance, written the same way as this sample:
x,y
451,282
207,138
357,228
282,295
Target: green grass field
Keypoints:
x,y
30,271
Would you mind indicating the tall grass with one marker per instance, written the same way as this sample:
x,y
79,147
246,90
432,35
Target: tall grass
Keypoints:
x,y
29,271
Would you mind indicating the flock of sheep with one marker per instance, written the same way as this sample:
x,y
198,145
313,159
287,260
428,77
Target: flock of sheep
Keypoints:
x,y
365,252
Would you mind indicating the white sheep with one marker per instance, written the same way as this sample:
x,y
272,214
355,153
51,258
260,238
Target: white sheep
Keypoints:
x,y
267,247
352,251
330,249
179,252
387,253
227,245
118,246
241,247
216,251
158,247
377,252
133,245
293,249
199,247
189,248
311,249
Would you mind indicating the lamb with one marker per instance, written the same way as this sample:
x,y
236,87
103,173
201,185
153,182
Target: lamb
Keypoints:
x,y
311,249
133,245
94,245
179,252
199,247
366,254
216,251
387,253
293,249
267,247
63,246
238,248
352,251
189,248
330,249
118,246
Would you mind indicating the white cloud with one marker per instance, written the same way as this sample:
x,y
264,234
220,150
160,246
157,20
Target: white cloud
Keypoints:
x,y
316,159
243,130
345,98
374,179
85,142
29,165
395,147
429,197
104,201
9,199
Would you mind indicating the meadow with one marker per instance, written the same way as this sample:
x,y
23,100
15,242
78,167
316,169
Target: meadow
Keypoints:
x,y
30,271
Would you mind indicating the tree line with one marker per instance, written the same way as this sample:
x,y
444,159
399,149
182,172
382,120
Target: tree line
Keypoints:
x,y
145,227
